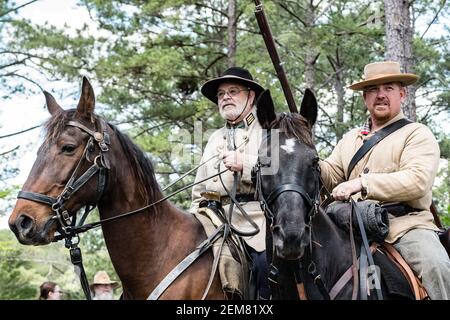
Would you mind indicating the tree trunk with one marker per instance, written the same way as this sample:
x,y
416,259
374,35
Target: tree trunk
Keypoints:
x,y
399,34
231,33
311,54
339,85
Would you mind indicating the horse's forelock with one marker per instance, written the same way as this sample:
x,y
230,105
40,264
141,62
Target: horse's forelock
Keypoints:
x,y
56,124
293,125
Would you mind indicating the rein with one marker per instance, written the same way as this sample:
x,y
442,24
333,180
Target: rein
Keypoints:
x,y
67,228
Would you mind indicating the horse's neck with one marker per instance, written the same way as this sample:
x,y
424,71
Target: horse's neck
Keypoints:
x,y
141,246
331,249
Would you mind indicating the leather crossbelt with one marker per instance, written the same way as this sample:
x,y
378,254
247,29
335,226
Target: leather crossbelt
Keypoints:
x,y
239,197
398,209
377,137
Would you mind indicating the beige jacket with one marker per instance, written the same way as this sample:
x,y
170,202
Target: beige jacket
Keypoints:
x,y
247,142
400,168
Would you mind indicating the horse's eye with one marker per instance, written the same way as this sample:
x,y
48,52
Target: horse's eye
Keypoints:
x,y
68,148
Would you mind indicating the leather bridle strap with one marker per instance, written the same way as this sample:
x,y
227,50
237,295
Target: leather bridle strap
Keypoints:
x,y
37,197
289,187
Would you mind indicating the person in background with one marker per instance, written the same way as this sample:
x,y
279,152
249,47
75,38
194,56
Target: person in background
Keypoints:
x,y
50,291
103,288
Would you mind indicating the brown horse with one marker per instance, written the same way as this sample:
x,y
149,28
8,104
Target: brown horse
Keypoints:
x,y
144,247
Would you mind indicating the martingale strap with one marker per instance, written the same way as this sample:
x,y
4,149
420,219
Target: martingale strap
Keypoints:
x,y
377,137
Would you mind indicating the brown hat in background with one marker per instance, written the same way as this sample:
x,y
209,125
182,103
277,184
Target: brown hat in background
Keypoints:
x,y
384,72
102,277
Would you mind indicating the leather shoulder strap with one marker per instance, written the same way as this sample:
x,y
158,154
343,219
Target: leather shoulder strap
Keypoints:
x,y
377,137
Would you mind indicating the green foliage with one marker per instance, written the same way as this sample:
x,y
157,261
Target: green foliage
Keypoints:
x,y
152,58
441,194
14,282
23,268
444,145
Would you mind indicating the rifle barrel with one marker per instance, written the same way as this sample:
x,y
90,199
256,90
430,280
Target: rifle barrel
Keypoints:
x,y
271,48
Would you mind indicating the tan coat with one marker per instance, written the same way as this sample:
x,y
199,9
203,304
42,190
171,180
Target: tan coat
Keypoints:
x,y
248,140
400,168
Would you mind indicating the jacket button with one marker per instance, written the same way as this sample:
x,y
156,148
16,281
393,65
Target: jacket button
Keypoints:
x,y
366,170
215,179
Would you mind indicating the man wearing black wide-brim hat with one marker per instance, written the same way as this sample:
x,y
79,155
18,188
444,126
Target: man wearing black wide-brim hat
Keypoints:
x,y
235,147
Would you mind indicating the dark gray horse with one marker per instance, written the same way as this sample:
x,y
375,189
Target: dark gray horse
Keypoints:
x,y
307,246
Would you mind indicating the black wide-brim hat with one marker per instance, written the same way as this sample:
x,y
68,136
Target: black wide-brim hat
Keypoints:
x,y
233,74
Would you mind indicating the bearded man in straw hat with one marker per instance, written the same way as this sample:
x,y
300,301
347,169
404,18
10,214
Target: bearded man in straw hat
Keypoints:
x,y
102,287
400,168
235,147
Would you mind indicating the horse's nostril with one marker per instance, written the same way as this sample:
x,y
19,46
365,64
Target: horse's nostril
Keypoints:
x,y
24,223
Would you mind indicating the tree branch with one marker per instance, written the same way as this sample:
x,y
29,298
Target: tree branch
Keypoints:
x,y
19,132
16,8
9,151
434,18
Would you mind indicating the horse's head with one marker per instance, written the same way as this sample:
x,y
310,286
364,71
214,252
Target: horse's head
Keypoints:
x,y
75,143
288,174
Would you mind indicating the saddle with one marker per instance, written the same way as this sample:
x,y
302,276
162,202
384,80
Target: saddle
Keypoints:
x,y
391,276
233,274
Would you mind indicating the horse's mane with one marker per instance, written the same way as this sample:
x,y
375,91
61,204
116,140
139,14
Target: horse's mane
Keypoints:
x,y
140,163
293,125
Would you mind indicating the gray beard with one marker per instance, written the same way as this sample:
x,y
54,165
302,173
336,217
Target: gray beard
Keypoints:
x,y
104,296
230,114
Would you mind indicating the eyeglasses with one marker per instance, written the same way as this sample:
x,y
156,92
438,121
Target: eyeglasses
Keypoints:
x,y
232,92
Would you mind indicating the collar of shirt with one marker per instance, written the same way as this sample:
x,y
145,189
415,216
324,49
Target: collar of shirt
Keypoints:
x,y
246,122
364,132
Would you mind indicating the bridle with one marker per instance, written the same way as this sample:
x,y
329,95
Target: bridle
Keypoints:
x,y
312,204
100,165
66,226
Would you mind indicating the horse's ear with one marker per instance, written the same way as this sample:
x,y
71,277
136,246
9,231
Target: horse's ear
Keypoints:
x,y
265,110
52,106
86,104
308,108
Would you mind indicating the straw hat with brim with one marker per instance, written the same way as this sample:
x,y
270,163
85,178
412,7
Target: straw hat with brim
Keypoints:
x,y
102,277
233,74
384,72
